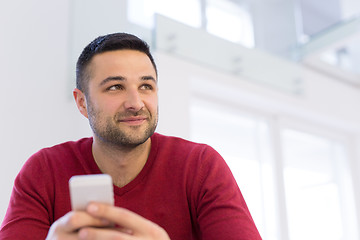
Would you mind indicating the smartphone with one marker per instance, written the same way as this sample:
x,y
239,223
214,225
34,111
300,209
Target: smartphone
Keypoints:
x,y
90,188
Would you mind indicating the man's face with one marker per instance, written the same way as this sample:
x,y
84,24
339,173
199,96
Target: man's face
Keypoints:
x,y
122,101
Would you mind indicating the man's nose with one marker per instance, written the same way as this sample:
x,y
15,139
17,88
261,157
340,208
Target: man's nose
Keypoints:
x,y
133,101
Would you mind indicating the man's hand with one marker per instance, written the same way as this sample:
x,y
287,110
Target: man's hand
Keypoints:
x,y
67,227
102,221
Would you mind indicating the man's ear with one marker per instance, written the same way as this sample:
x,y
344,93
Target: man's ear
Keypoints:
x,y
80,100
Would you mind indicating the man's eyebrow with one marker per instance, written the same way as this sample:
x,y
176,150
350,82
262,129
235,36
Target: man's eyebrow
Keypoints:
x,y
145,78
112,78
121,78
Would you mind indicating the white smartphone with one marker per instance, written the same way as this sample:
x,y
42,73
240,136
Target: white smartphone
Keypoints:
x,y
90,188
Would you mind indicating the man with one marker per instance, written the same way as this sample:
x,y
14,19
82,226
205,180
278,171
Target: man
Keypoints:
x,y
164,187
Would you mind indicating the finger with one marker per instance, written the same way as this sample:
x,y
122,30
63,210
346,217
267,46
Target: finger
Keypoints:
x,y
122,217
103,233
75,220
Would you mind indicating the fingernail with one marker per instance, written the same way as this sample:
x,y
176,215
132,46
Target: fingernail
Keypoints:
x,y
105,222
93,208
83,234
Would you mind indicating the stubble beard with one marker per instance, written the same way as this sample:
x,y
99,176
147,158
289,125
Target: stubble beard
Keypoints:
x,y
110,133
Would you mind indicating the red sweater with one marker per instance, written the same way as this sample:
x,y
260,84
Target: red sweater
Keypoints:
x,y
184,187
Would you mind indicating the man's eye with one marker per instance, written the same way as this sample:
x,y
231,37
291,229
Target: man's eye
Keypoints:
x,y
115,87
147,87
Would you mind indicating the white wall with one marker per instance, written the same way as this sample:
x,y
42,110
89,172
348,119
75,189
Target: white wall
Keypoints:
x,y
35,103
35,92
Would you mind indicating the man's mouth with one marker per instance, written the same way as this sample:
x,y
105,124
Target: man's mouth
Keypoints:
x,y
133,120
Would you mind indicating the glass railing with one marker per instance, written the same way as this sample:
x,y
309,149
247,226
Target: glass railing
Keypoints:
x,y
330,36
198,46
335,51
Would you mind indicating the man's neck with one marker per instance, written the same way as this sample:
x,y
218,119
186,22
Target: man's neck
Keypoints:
x,y
122,164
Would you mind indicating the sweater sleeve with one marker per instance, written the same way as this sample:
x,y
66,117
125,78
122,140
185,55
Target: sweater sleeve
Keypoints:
x,y
28,215
221,209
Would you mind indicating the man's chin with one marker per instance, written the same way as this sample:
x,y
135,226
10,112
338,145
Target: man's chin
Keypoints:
x,y
134,139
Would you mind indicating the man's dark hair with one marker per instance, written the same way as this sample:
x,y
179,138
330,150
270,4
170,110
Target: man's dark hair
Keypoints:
x,y
110,42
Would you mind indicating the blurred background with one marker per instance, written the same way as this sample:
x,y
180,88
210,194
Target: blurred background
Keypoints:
x,y
273,85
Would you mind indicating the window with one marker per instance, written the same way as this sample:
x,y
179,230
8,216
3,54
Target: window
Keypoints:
x,y
243,142
230,21
315,190
312,185
185,11
223,18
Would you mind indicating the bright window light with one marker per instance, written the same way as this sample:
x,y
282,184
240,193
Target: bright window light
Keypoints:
x,y
230,21
311,189
142,12
243,142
